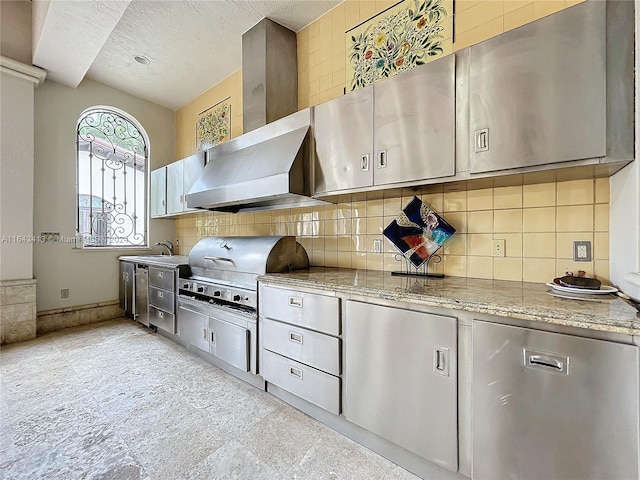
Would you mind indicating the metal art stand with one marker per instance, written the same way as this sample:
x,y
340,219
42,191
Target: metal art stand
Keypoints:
x,y
423,270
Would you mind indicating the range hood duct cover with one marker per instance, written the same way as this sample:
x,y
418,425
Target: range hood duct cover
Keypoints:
x,y
269,74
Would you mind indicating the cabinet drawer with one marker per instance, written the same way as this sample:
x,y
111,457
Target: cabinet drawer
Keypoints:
x,y
162,278
161,319
308,383
318,312
162,299
312,348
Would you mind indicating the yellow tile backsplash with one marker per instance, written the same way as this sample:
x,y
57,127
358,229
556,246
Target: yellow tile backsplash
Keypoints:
x,y
538,240
538,222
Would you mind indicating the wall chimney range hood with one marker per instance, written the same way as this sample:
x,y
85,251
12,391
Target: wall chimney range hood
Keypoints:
x,y
266,169
269,166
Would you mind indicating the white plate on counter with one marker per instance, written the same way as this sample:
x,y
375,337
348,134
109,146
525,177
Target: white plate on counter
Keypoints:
x,y
603,290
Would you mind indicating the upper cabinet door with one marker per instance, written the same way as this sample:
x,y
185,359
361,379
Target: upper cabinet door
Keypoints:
x,y
158,192
414,124
538,93
344,142
174,187
192,168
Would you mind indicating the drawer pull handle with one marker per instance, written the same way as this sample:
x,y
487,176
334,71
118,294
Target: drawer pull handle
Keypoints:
x,y
295,372
160,274
295,302
160,314
160,294
545,362
295,337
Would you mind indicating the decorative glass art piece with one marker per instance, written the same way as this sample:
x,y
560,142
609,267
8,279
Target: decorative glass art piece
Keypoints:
x,y
406,35
418,232
214,125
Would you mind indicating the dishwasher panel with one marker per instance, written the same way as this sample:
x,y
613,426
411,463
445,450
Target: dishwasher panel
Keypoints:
x,y
548,405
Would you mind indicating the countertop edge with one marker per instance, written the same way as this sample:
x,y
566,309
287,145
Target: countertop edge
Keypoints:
x,y
544,316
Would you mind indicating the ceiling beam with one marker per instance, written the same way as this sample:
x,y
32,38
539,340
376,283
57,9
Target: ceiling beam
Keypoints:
x,y
68,35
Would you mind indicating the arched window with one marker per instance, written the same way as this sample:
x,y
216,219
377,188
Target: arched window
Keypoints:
x,y
111,179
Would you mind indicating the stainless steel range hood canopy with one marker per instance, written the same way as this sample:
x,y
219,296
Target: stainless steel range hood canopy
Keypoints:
x,y
266,169
269,167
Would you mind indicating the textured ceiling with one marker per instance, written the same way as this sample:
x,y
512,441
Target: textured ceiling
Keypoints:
x,y
192,44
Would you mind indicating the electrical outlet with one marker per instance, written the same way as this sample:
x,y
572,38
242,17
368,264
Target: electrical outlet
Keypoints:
x,y
582,251
64,293
377,246
498,248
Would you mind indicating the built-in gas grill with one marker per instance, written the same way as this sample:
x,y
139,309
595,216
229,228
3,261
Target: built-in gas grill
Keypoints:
x,y
217,304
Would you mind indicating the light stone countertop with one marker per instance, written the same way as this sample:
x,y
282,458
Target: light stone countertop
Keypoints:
x,y
520,300
169,261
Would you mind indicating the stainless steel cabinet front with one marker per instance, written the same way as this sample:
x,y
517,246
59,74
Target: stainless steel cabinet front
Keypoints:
x,y
538,93
230,343
305,382
163,320
401,378
317,312
414,124
158,192
344,142
163,299
547,405
162,278
193,327
314,349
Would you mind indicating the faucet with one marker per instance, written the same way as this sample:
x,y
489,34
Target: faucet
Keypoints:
x,y
166,244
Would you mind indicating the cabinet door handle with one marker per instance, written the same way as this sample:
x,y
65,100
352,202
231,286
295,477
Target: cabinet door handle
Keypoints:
x,y
441,361
295,372
160,314
160,294
160,274
204,333
295,302
364,163
382,159
295,337
546,361
213,337
481,140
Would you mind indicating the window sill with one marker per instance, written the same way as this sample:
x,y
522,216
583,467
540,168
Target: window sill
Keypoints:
x,y
122,250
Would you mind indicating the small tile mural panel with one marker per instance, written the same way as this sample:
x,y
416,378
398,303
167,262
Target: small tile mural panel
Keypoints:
x,y
214,125
411,33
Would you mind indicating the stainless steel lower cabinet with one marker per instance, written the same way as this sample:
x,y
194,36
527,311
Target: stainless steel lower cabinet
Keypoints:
x,y
193,327
553,406
401,378
161,319
230,343
306,382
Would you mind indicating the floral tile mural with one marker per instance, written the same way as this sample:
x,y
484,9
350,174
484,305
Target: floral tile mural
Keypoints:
x,y
409,34
214,125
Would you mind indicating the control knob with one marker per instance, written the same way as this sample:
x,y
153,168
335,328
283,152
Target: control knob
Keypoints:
x,y
217,293
200,289
236,298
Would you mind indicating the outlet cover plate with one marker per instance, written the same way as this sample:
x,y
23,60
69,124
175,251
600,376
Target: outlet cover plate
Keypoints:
x,y
582,251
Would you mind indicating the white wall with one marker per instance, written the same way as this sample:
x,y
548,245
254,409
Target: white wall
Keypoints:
x,y
16,177
624,231
90,276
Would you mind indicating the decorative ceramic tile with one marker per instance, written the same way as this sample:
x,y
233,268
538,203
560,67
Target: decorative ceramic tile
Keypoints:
x,y
214,125
407,35
418,232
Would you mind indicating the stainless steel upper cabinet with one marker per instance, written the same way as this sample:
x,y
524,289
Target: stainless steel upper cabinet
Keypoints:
x,y
159,192
538,93
414,124
344,142
191,170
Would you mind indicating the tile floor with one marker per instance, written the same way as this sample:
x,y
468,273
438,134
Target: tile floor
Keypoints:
x,y
112,400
